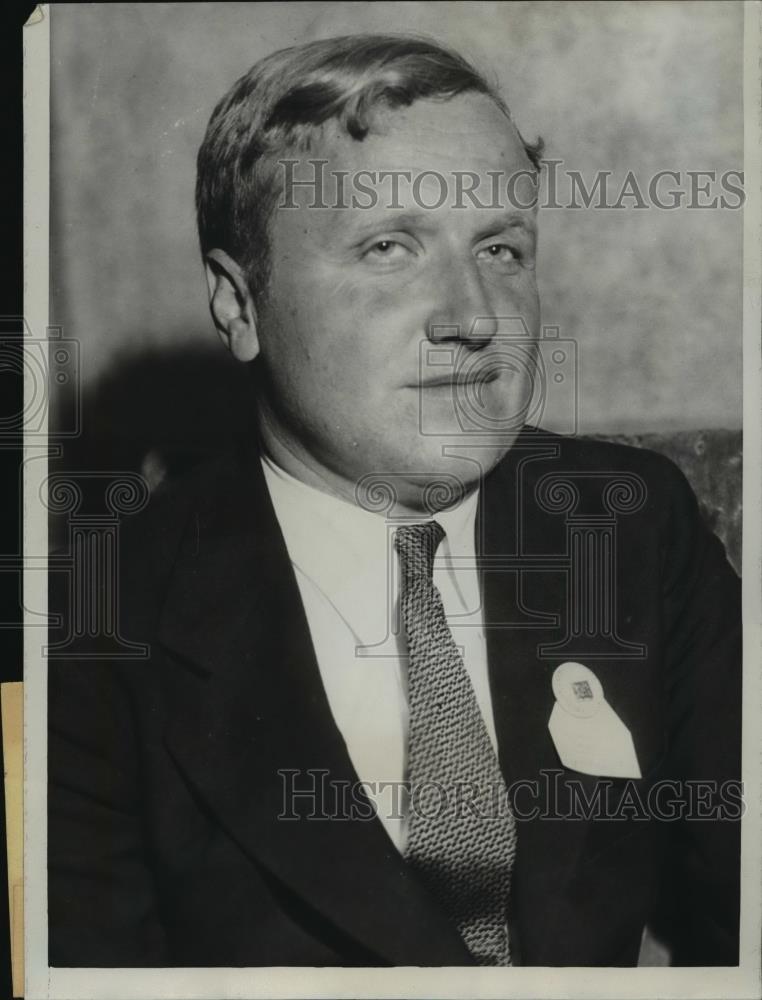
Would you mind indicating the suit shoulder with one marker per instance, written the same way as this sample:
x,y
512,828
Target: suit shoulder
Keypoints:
x,y
599,454
151,540
173,505
596,454
590,460
155,531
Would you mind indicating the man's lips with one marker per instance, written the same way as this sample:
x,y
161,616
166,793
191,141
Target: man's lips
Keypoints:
x,y
458,380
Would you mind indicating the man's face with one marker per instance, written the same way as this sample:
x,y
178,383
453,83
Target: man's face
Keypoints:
x,y
388,334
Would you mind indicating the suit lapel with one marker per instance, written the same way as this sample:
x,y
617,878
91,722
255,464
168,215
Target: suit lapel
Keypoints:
x,y
521,613
249,719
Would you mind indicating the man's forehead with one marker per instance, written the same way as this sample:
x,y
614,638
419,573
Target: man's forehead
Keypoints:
x,y
467,133
415,165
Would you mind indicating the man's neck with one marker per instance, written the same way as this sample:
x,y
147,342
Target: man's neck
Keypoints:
x,y
296,462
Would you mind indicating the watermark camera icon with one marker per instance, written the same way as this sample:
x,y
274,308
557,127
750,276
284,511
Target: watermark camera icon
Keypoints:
x,y
491,383
50,369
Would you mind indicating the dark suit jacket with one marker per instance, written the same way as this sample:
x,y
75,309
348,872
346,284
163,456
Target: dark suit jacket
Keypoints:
x,y
164,795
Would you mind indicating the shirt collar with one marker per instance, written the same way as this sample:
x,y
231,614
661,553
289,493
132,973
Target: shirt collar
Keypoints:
x,y
348,552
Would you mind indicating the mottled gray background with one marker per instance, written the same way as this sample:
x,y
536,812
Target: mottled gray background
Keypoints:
x,y
652,297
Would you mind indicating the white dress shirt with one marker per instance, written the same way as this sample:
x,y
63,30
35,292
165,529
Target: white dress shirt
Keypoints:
x,y
347,571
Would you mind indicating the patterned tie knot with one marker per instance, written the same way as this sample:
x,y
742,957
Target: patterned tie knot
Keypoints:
x,y
416,545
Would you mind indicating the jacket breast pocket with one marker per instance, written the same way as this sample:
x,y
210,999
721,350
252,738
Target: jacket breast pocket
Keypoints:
x,y
621,813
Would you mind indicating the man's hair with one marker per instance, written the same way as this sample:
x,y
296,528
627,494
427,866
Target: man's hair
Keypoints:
x,y
275,108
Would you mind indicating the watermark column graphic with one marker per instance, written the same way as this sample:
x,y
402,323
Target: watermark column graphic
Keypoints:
x,y
49,416
41,363
590,561
477,387
91,563
468,413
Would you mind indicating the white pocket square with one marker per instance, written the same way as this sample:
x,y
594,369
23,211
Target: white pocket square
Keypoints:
x,y
588,735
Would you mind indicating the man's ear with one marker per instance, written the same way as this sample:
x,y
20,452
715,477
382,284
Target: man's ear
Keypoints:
x,y
231,305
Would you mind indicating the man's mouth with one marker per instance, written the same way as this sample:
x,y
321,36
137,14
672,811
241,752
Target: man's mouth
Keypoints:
x,y
459,380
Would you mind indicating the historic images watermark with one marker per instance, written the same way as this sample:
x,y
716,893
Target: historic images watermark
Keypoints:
x,y
311,794
536,373
89,504
43,363
477,388
556,186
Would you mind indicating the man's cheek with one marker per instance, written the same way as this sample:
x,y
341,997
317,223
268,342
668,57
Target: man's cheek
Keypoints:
x,y
521,297
380,326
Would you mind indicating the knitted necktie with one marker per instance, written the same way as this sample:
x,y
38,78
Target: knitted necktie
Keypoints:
x,y
461,830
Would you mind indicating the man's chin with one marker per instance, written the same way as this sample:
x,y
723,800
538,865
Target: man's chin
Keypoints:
x,y
436,478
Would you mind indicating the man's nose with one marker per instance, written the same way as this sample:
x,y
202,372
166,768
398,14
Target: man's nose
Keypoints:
x,y
465,311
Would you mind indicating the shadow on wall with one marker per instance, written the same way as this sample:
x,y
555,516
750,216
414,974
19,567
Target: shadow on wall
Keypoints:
x,y
157,413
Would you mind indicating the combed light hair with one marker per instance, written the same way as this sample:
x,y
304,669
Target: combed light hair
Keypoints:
x,y
277,106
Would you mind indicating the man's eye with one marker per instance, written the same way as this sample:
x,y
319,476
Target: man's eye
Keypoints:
x,y
499,252
386,250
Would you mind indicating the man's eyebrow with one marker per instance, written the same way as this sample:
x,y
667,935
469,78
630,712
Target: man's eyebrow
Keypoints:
x,y
420,218
391,219
512,218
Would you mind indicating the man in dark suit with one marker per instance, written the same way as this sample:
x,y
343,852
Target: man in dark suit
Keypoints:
x,y
401,585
